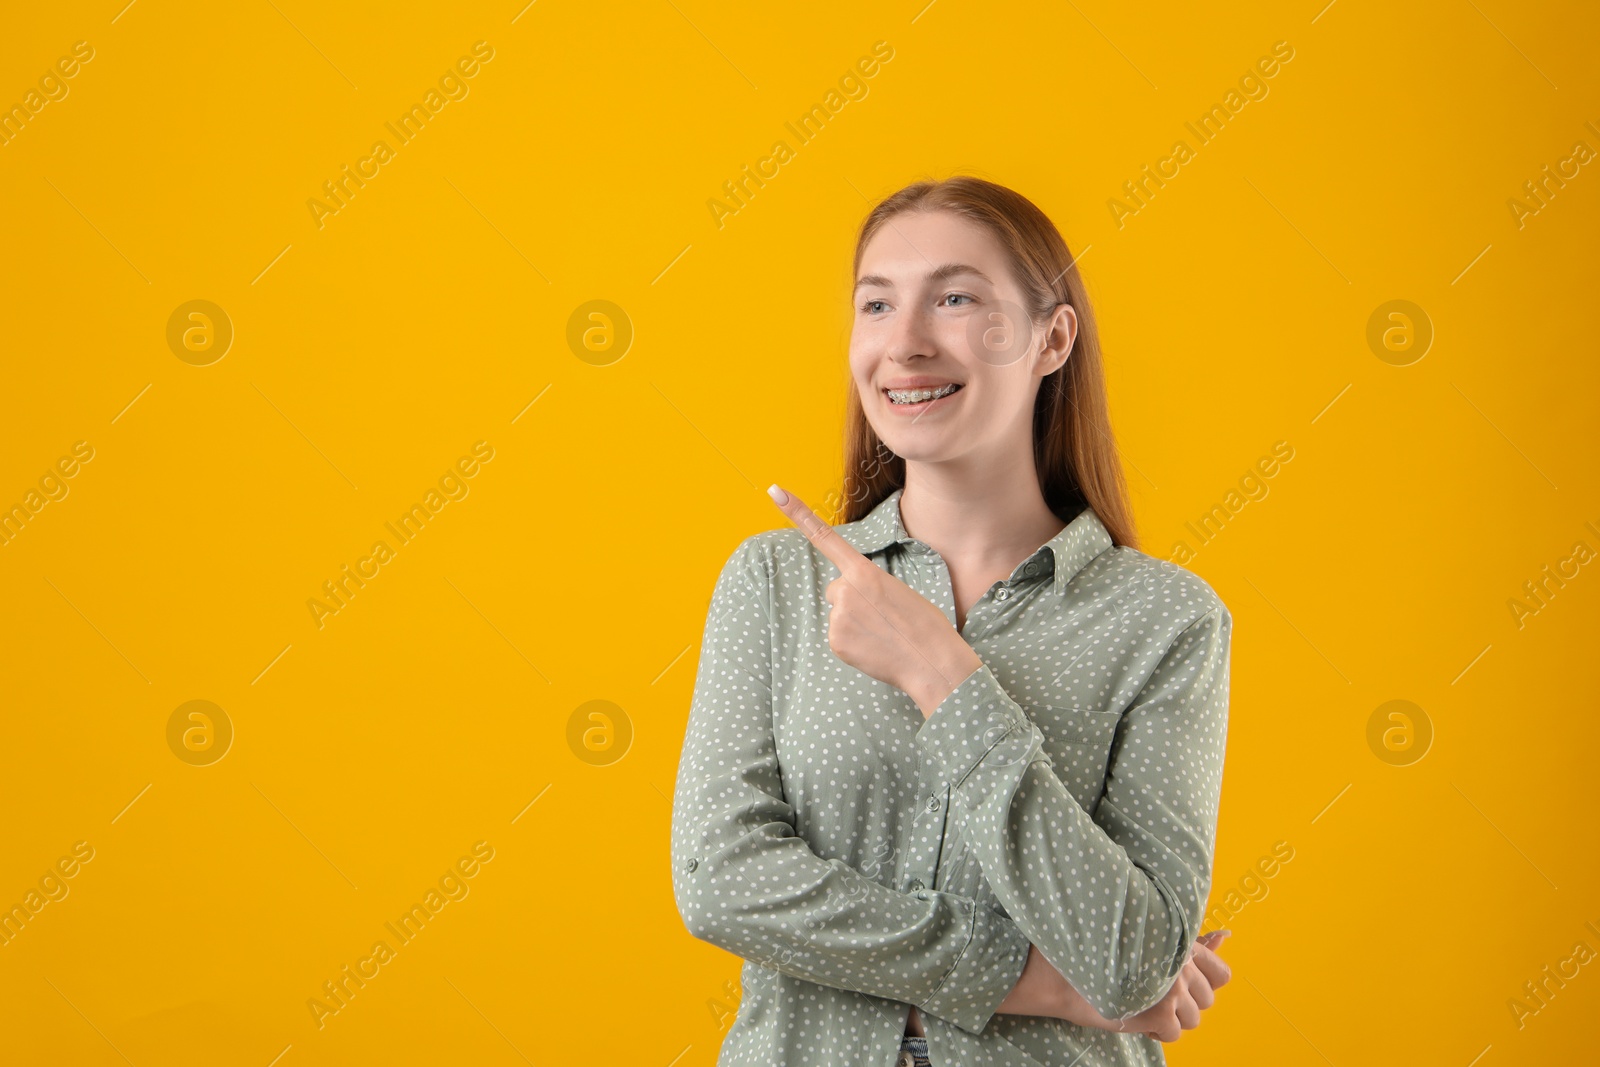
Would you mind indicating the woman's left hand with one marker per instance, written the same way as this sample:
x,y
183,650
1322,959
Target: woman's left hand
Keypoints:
x,y
881,626
1192,993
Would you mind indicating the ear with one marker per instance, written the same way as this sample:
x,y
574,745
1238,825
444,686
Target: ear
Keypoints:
x,y
1060,333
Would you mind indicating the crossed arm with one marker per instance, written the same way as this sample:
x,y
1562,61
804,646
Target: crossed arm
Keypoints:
x,y
745,881
1110,902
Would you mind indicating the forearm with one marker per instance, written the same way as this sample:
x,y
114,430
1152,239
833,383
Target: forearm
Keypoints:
x,y
745,880
1112,899
771,900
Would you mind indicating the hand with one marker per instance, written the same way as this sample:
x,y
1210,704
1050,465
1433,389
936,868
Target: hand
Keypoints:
x,y
881,626
1191,994
1041,990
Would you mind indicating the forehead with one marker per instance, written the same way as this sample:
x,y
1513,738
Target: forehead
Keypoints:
x,y
908,247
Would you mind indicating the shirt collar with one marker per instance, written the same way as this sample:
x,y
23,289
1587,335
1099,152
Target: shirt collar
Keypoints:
x,y
1067,553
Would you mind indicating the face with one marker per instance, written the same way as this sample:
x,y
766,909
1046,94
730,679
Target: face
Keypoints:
x,y
945,359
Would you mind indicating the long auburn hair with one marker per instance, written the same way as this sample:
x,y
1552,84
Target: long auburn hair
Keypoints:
x,y
1074,451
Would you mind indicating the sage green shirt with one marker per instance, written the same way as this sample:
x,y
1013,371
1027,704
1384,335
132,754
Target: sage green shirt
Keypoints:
x,y
862,859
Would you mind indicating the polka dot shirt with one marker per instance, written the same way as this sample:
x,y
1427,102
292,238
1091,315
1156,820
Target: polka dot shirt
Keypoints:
x,y
862,860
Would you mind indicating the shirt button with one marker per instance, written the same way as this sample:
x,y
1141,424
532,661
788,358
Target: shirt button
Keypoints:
x,y
1004,594
906,1059
692,864
1031,569
933,803
914,885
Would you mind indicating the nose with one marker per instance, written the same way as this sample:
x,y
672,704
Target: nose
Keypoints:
x,y
911,336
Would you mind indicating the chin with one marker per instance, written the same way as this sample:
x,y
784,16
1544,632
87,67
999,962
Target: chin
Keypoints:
x,y
915,448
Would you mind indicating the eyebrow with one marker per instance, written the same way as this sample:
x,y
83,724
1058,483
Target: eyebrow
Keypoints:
x,y
948,270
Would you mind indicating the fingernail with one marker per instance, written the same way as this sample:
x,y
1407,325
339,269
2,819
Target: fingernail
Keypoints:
x,y
778,495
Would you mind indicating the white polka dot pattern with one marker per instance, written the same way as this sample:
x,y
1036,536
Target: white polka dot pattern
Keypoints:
x,y
862,860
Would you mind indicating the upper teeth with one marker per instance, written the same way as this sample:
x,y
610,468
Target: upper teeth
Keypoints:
x,y
916,396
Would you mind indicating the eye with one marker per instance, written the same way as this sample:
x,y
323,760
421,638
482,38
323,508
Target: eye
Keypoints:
x,y
958,296
866,306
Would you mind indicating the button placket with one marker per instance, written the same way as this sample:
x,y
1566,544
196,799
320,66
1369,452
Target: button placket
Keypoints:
x,y
933,816
936,585
921,865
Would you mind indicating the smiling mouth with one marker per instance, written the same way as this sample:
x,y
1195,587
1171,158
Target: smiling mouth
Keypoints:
x,y
909,397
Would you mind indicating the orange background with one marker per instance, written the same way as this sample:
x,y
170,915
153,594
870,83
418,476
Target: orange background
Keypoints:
x,y
443,704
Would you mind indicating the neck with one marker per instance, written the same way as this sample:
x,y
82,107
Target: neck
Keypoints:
x,y
994,514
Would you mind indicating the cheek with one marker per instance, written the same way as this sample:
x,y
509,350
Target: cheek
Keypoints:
x,y
999,399
863,354
956,337
863,362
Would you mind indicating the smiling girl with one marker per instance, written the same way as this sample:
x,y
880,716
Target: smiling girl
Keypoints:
x,y
950,778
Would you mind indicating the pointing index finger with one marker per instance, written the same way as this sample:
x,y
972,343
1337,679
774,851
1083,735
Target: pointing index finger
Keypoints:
x,y
825,537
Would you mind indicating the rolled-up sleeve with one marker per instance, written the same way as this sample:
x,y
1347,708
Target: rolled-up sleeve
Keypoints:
x,y
1114,899
744,881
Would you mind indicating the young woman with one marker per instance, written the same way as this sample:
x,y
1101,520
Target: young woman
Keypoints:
x,y
950,778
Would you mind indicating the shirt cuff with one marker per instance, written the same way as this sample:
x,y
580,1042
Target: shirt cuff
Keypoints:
x,y
985,973
978,720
